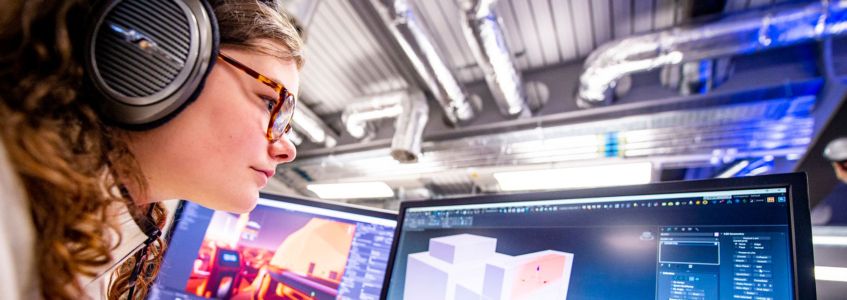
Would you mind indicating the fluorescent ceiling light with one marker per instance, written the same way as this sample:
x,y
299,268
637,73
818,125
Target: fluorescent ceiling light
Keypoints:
x,y
734,169
354,190
831,273
829,240
577,177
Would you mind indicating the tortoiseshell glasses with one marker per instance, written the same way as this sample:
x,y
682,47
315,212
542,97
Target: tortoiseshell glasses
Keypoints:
x,y
283,108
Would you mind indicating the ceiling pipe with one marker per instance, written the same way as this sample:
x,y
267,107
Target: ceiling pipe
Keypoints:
x,y
312,127
426,60
696,77
485,37
357,116
732,35
411,112
306,124
294,137
408,129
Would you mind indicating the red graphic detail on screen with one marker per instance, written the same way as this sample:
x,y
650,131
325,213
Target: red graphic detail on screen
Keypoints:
x,y
235,262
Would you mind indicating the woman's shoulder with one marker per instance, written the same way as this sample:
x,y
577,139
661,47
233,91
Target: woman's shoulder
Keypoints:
x,y
17,236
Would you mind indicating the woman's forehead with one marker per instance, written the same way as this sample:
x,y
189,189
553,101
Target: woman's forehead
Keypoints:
x,y
279,70
263,47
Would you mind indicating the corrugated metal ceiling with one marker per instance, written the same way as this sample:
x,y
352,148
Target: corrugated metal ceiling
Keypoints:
x,y
346,62
343,60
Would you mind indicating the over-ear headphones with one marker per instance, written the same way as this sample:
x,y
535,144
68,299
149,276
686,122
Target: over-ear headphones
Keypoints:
x,y
149,59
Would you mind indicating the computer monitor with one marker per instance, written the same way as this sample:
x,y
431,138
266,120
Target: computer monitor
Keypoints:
x,y
286,248
741,238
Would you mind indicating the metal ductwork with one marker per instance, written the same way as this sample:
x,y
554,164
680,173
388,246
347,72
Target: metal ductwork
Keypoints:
x,y
669,134
358,115
484,34
426,60
696,77
411,112
295,137
736,34
408,129
310,125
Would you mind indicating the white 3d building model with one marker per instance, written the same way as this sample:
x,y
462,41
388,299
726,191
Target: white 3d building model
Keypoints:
x,y
466,266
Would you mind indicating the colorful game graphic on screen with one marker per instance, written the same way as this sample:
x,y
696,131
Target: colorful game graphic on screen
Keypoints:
x,y
286,248
260,256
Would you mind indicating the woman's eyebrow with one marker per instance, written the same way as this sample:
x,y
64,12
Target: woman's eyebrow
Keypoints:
x,y
274,79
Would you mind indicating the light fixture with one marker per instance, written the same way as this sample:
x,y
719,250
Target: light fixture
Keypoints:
x,y
829,240
734,169
576,177
830,273
352,190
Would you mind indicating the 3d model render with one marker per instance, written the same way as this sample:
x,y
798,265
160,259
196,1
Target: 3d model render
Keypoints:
x,y
466,266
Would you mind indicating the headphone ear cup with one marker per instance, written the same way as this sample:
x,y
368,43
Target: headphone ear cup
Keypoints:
x,y
149,59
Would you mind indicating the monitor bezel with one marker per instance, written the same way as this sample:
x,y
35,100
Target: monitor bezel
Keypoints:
x,y
337,206
797,190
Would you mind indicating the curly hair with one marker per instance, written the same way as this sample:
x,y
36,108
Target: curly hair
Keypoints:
x,y
70,162
67,158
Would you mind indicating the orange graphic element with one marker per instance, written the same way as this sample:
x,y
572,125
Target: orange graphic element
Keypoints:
x,y
538,273
319,250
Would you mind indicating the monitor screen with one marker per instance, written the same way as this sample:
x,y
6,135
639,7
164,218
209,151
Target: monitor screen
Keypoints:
x,y
718,239
285,248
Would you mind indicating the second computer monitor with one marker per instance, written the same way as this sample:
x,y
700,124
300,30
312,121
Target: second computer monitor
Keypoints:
x,y
286,248
745,238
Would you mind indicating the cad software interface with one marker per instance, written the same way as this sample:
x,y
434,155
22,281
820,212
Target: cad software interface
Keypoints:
x,y
731,244
280,250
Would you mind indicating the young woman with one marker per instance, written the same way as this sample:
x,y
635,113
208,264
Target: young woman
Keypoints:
x,y
80,196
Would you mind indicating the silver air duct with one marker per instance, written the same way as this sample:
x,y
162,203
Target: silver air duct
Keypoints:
x,y
408,107
295,137
356,116
739,34
309,124
696,77
414,40
408,129
484,34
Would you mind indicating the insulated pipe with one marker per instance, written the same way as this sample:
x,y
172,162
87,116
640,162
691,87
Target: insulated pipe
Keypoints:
x,y
357,115
411,112
484,34
426,60
309,124
736,34
408,129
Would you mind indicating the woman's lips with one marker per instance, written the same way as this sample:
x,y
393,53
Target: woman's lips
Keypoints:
x,y
266,175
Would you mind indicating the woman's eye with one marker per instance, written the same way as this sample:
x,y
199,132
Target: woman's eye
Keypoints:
x,y
269,102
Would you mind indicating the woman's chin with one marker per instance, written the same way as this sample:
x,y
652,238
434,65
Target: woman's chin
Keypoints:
x,y
245,207
242,203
